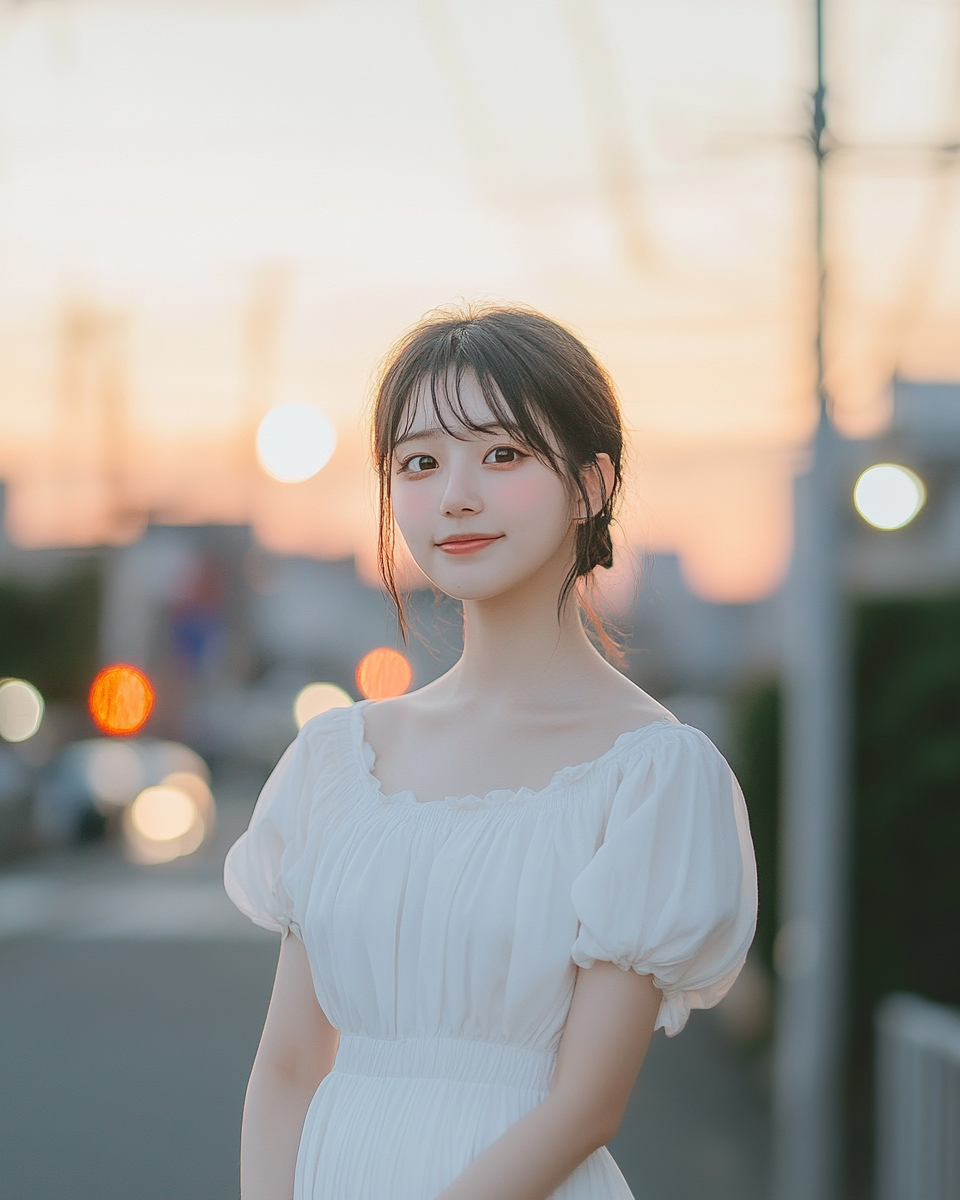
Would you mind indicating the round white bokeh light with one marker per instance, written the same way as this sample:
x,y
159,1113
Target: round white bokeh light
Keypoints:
x,y
21,710
163,813
317,698
295,441
889,496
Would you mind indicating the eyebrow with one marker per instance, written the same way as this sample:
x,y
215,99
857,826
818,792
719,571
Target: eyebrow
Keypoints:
x,y
439,431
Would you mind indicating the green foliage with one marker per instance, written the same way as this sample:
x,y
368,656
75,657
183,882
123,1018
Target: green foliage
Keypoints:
x,y
907,800
756,761
48,632
905,836
905,900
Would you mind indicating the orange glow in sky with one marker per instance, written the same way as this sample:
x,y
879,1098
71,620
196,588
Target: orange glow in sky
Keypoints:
x,y
216,214
120,699
383,673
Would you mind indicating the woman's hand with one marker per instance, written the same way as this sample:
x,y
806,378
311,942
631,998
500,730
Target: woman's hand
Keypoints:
x,y
604,1041
296,1051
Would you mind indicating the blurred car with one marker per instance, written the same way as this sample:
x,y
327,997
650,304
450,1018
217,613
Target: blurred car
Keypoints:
x,y
16,831
88,786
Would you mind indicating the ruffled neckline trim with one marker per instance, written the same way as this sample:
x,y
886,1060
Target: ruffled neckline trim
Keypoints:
x,y
561,778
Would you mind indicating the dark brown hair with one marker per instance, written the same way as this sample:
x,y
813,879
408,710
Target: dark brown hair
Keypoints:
x,y
545,389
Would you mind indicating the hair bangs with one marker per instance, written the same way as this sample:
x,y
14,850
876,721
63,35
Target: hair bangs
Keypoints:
x,y
439,385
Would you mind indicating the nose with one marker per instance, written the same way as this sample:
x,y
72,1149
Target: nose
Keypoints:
x,y
461,497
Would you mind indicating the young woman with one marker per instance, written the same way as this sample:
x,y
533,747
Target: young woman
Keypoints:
x,y
499,885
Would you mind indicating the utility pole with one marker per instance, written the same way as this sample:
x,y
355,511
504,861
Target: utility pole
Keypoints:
x,y
811,945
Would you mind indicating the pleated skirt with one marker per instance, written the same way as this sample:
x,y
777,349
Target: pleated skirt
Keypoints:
x,y
400,1120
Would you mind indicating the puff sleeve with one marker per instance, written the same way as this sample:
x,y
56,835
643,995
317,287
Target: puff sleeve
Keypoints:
x,y
672,892
257,873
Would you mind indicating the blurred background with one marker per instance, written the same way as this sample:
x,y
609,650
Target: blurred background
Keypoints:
x,y
215,218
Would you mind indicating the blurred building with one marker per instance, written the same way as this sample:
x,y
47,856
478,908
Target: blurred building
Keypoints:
x,y
36,566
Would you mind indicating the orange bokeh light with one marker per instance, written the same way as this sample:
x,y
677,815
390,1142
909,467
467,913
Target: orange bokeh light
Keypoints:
x,y
383,673
121,699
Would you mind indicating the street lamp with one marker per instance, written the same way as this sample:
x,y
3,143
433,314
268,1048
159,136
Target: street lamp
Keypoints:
x,y
888,495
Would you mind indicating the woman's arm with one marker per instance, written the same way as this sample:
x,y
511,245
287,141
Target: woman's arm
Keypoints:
x,y
605,1038
296,1051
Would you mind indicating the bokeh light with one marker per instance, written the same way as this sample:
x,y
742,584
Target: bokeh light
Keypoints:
x,y
889,496
121,699
317,698
21,710
199,792
169,820
163,813
383,673
295,441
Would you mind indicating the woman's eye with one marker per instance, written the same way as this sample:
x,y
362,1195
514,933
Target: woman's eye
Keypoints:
x,y
503,454
420,462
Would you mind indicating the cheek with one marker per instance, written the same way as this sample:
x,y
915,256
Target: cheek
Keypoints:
x,y
542,494
413,507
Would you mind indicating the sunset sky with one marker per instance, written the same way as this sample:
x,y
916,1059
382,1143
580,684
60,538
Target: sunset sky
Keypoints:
x,y
208,209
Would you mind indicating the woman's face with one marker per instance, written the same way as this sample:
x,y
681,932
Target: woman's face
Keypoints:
x,y
479,512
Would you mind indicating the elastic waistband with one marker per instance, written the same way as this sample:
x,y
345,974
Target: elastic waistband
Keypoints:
x,y
446,1058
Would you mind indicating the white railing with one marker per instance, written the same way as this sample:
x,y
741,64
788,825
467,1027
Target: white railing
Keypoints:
x,y
918,1100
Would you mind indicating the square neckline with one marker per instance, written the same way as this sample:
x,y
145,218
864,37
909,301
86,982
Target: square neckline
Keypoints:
x,y
367,758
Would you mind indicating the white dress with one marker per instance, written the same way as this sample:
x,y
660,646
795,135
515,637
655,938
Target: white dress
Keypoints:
x,y
444,936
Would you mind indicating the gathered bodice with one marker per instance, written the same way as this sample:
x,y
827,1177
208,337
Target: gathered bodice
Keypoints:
x,y
467,918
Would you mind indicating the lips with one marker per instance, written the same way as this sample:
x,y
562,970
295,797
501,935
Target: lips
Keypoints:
x,y
468,543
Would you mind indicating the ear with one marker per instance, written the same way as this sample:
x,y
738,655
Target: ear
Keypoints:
x,y
598,479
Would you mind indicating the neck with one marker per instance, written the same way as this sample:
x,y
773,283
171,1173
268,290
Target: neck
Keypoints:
x,y
516,648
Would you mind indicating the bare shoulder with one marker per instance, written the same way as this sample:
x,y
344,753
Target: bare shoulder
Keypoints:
x,y
606,699
387,720
576,722
619,702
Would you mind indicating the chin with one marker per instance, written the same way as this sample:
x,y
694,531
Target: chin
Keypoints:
x,y
469,594
483,585
468,591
